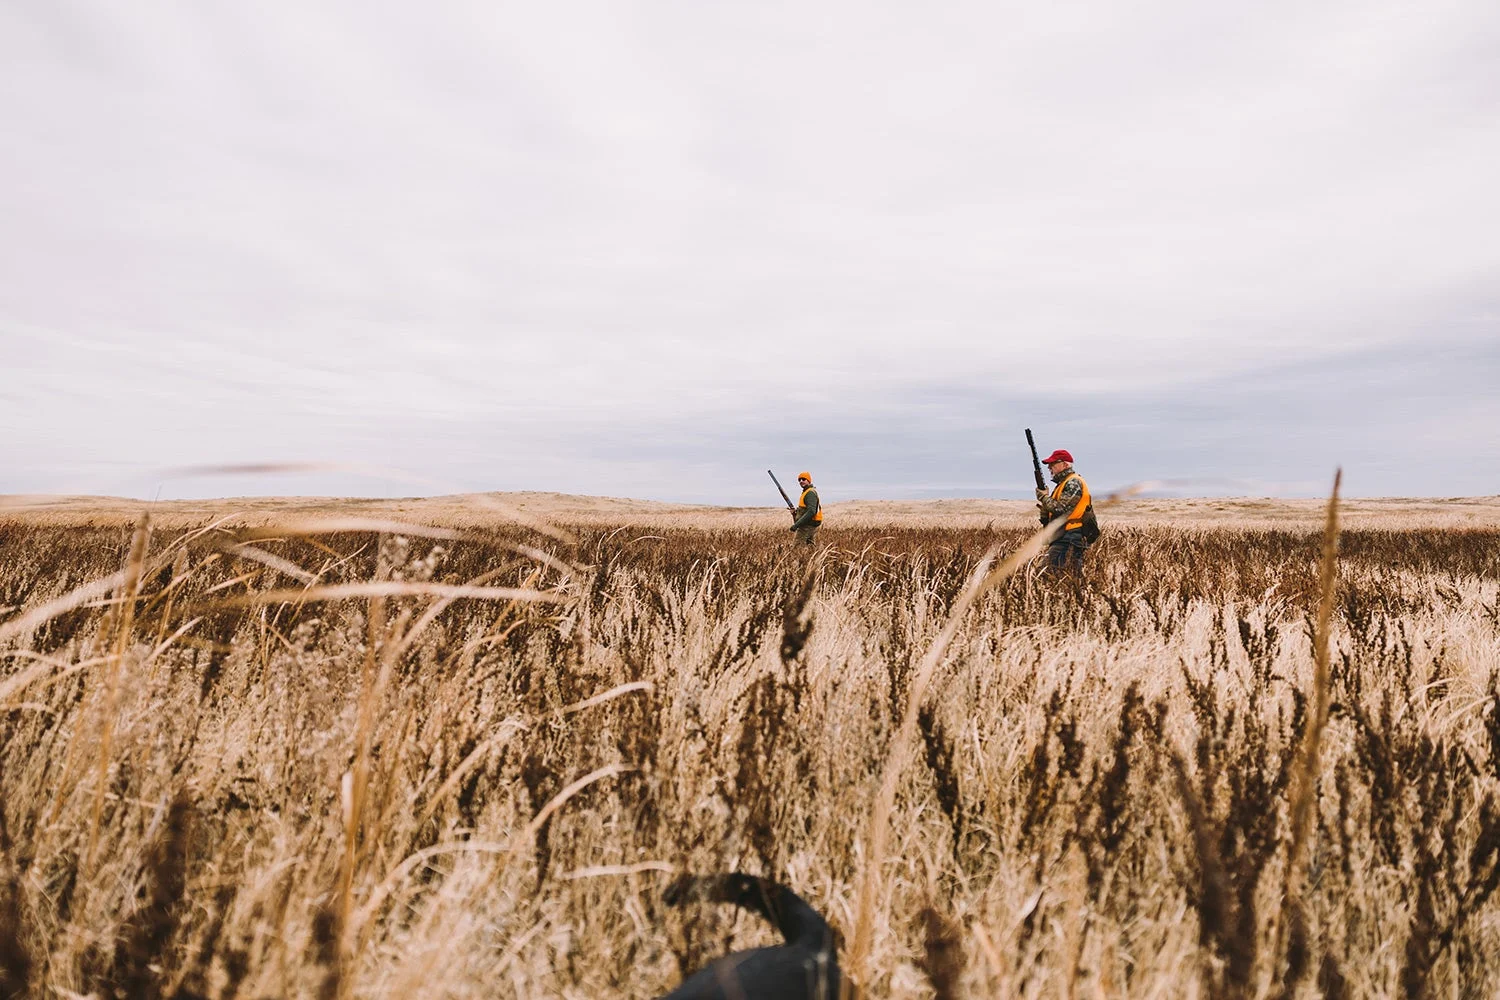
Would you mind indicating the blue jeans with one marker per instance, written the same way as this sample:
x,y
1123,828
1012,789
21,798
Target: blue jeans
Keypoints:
x,y
1065,554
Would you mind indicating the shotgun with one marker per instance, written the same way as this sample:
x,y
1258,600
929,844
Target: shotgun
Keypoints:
x,y
1036,470
1036,463
782,492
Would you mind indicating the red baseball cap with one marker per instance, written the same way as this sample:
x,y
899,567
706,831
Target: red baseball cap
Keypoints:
x,y
1059,456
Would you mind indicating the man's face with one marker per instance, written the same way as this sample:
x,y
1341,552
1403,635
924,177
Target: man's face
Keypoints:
x,y
1056,468
804,482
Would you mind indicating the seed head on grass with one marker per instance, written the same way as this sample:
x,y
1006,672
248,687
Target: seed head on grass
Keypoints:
x,y
1304,792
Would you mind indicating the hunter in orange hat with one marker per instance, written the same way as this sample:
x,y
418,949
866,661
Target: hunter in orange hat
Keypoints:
x,y
809,512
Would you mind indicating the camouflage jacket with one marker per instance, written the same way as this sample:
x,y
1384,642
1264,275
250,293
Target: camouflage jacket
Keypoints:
x,y
1067,500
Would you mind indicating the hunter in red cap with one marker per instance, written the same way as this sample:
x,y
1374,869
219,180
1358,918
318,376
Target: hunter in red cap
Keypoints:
x,y
1069,499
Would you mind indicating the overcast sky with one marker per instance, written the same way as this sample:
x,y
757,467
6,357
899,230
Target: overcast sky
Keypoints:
x,y
651,249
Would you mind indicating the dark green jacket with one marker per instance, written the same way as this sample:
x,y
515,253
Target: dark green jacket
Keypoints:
x,y
807,510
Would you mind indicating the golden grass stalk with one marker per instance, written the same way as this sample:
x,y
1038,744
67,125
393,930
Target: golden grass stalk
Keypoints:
x,y
561,798
615,692
516,842
39,668
355,781
376,677
74,598
384,647
507,729
229,584
1304,784
537,555
125,624
166,642
332,525
430,615
385,588
980,581
280,565
179,570
605,871
989,951
409,863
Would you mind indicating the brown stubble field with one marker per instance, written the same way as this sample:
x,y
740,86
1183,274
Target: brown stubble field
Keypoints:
x,y
285,755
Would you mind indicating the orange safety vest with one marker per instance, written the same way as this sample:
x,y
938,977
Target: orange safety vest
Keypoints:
x,y
1075,516
802,502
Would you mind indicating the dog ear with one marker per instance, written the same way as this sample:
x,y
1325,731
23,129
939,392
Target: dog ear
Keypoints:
x,y
748,891
682,889
743,890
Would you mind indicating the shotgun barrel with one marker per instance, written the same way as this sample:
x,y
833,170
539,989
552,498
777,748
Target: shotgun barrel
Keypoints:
x,y
1036,463
1041,484
783,492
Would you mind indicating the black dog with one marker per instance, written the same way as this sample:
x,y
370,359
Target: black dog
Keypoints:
x,y
805,968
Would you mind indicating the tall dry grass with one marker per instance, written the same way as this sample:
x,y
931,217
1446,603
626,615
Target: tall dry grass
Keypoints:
x,y
362,761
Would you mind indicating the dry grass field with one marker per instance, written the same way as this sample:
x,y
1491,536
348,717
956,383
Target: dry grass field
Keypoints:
x,y
419,749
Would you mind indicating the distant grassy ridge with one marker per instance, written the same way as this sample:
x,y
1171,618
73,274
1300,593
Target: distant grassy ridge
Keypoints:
x,y
498,509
